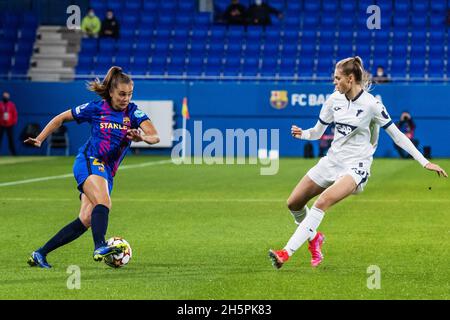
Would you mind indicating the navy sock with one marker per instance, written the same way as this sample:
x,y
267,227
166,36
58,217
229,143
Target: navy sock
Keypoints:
x,y
67,234
99,224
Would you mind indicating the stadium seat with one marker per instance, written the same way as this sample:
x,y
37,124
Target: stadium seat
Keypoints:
x,y
147,23
270,50
250,67
115,5
311,22
437,22
84,65
420,7
133,4
107,45
253,50
6,48
363,51
419,36
419,22
329,21
437,37
143,48
344,51
417,68
400,22
312,6
402,6
176,66
364,36
307,50
123,62
139,65
438,6
435,68
293,6
29,20
400,38
99,6
21,64
194,66
327,37
398,67
305,66
103,64
157,65
213,66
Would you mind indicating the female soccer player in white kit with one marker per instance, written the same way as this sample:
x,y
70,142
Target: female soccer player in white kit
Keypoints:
x,y
346,167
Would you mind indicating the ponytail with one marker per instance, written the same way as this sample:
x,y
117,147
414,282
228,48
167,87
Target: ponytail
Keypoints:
x,y
355,66
112,78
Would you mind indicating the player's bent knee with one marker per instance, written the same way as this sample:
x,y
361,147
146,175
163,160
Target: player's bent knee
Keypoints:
x,y
294,205
323,202
105,202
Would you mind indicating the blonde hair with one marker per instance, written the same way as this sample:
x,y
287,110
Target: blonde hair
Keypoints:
x,y
355,66
112,79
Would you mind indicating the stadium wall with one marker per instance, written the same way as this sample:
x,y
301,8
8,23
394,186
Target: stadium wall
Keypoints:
x,y
231,105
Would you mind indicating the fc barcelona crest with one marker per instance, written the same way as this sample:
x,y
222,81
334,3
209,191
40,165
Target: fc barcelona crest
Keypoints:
x,y
279,99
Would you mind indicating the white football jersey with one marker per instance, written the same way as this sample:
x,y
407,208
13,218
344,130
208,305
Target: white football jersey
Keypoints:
x,y
356,132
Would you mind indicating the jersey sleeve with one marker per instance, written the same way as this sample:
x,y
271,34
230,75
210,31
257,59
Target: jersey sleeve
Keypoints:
x,y
137,117
84,112
326,113
381,116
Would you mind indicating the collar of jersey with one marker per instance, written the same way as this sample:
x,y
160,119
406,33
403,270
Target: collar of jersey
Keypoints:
x,y
356,97
114,110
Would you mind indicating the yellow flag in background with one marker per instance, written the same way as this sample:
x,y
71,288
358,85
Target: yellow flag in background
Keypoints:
x,y
184,110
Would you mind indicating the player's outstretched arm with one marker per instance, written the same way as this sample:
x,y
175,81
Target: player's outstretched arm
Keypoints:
x,y
54,124
403,142
310,134
150,135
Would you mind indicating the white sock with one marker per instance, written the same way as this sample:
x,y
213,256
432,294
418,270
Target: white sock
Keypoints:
x,y
300,215
305,230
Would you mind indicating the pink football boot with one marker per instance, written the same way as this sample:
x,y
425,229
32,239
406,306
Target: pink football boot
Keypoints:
x,y
315,247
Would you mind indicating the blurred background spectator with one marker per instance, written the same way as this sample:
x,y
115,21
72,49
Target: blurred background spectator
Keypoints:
x,y
380,76
235,13
259,13
407,126
8,119
91,25
110,26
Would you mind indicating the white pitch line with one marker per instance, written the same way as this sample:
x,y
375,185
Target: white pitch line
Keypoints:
x,y
13,183
214,200
68,175
24,160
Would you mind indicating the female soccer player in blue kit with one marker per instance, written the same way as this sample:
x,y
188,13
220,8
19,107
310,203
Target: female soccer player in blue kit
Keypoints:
x,y
114,124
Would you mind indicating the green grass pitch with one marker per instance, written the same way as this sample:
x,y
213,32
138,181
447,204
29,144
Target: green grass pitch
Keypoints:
x,y
203,232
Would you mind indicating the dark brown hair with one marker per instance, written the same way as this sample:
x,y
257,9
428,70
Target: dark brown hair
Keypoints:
x,y
355,66
112,79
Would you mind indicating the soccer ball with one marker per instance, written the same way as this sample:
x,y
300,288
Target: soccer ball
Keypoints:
x,y
121,259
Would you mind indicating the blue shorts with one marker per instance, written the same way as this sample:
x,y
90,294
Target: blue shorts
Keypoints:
x,y
84,166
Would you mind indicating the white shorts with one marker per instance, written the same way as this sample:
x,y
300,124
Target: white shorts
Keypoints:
x,y
326,172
